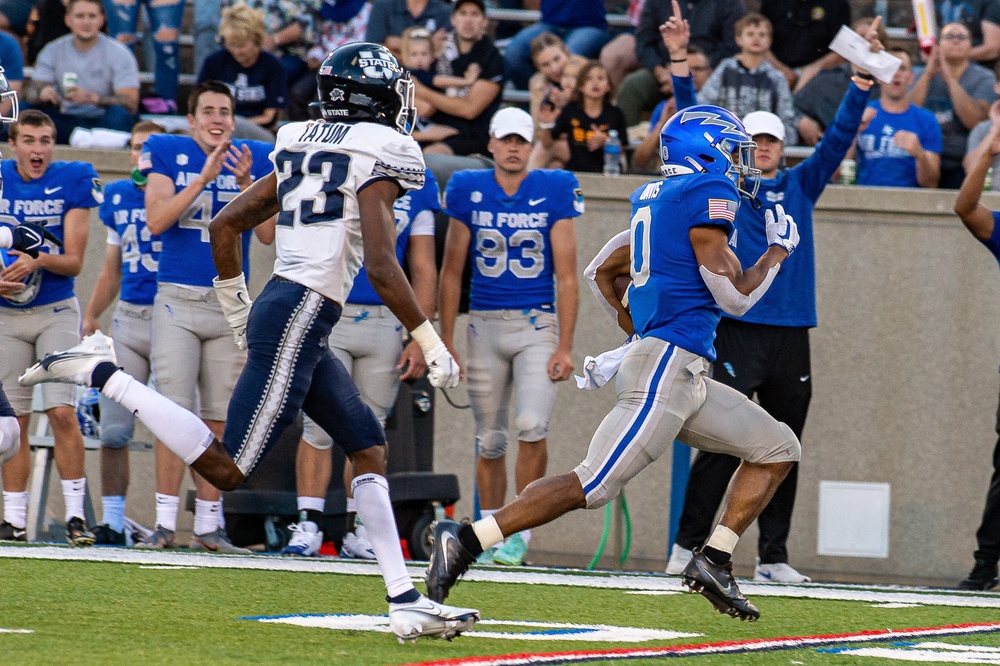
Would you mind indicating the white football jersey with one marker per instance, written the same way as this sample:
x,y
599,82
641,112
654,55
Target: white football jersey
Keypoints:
x,y
321,166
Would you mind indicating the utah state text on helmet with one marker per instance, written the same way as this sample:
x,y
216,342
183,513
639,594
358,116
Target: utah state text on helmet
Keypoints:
x,y
377,67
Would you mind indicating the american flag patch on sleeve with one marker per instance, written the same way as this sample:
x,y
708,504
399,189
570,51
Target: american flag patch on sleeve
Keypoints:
x,y
145,161
722,209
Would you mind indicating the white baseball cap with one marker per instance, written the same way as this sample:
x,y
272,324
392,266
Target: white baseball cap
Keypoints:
x,y
764,122
511,120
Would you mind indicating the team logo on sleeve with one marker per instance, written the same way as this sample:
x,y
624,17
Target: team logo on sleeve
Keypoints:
x,y
476,196
722,209
182,159
578,205
97,191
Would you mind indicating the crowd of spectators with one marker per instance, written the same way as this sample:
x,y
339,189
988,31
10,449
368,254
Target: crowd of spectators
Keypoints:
x,y
584,75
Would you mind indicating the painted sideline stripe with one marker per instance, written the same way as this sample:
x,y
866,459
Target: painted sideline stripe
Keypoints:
x,y
727,647
501,575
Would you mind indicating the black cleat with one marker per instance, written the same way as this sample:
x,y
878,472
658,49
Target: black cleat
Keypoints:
x,y
449,560
105,536
982,577
77,533
10,533
716,583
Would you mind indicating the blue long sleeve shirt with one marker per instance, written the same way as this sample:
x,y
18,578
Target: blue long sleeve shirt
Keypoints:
x,y
791,299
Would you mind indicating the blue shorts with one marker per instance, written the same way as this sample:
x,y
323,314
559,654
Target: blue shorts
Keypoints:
x,y
290,368
5,408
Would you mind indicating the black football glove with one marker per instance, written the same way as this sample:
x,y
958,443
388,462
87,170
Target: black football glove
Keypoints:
x,y
29,238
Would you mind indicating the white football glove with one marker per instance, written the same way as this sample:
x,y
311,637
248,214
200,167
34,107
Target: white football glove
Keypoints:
x,y
781,231
442,370
235,301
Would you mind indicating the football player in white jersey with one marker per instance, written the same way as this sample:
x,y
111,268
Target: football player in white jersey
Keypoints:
x,y
43,314
367,340
129,274
190,179
517,226
332,188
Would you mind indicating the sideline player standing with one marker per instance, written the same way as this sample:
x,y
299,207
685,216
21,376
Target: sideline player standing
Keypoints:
x,y
130,263
45,315
367,341
28,238
333,187
749,345
680,229
985,226
519,228
190,179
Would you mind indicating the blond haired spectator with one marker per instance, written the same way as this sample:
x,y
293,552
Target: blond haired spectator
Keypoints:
x,y
255,76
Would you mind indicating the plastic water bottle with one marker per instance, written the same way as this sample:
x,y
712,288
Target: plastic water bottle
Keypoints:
x,y
848,172
613,154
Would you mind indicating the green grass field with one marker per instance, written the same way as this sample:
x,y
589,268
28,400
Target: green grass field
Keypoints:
x,y
158,612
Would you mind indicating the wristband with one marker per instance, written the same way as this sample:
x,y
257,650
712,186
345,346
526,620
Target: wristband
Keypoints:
x,y
426,336
546,126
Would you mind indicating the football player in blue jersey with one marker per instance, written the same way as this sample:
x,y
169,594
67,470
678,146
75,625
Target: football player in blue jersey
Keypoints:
x,y
684,275
367,340
333,187
518,229
40,313
984,224
190,179
129,274
28,238
778,327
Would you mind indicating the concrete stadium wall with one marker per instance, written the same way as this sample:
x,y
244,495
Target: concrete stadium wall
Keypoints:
x,y
904,376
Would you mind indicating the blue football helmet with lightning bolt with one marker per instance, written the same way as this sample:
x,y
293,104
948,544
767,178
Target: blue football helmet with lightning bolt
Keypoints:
x,y
709,139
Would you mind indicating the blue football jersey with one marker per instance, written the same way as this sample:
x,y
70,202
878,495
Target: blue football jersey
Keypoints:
x,y
45,201
406,208
187,256
509,249
668,298
994,242
124,213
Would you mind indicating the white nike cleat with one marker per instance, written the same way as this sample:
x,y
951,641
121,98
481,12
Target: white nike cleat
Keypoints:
x,y
426,618
72,366
780,572
679,558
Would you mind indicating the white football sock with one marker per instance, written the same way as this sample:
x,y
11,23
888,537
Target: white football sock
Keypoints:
x,y
306,503
15,508
180,431
206,516
166,511
488,532
113,511
73,492
372,494
723,539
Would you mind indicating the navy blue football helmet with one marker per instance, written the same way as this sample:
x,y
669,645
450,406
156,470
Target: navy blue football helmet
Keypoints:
x,y
364,81
709,139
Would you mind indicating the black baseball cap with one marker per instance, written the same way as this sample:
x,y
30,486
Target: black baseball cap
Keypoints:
x,y
478,3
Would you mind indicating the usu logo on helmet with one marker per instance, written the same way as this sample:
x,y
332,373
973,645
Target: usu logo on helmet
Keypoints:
x,y
374,65
32,282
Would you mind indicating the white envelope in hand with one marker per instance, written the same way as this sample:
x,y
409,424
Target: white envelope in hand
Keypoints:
x,y
857,51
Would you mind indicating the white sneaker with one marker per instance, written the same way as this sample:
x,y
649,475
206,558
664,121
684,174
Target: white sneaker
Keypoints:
x,y
424,617
306,539
356,545
72,366
679,558
779,573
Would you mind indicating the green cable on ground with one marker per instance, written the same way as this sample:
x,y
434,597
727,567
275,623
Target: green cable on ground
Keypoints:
x,y
604,534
